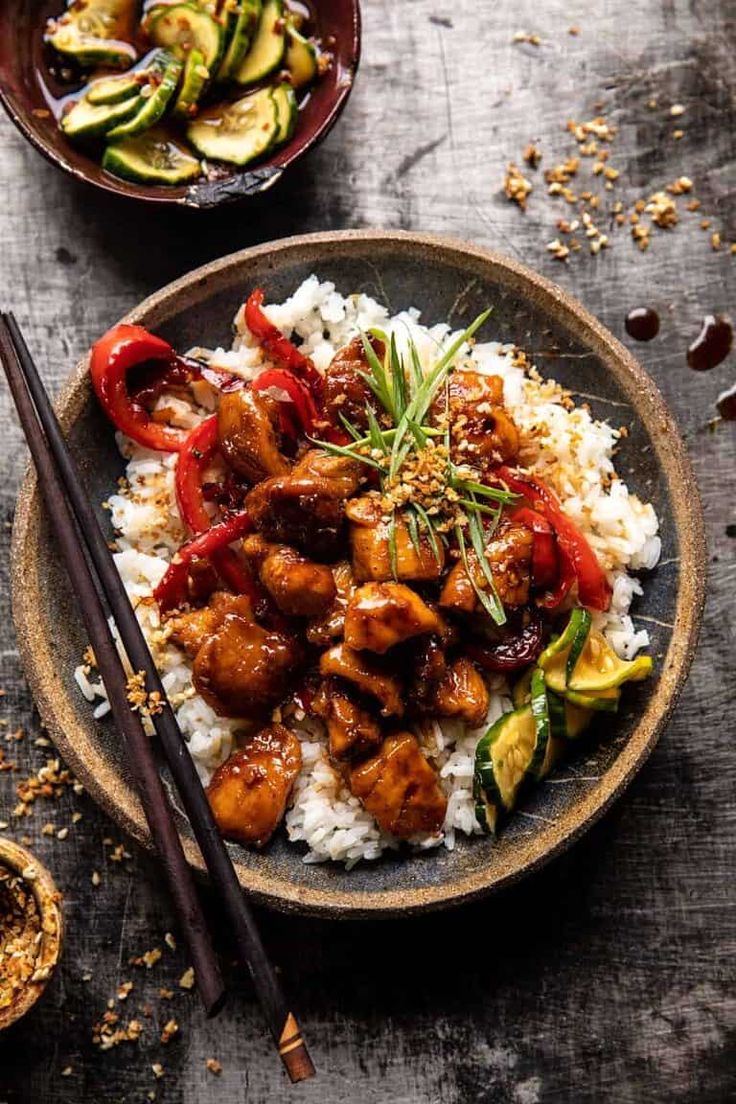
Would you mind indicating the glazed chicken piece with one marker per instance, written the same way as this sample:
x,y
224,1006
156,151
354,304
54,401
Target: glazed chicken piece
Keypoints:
x,y
331,625
400,788
369,538
248,439
366,674
249,791
345,392
380,615
242,670
509,553
299,587
461,692
352,729
483,434
307,506
190,630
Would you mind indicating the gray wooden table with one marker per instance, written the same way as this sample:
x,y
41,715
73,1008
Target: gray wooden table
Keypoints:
x,y
609,976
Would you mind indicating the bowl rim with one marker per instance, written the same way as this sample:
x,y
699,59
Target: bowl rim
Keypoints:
x,y
119,801
201,195
48,898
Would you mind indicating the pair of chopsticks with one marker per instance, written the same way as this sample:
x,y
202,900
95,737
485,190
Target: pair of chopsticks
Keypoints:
x,y
92,571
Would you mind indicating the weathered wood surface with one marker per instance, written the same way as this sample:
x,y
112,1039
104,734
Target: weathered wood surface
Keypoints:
x,y
610,976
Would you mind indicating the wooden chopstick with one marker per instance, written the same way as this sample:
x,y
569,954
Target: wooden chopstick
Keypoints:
x,y
280,1018
150,788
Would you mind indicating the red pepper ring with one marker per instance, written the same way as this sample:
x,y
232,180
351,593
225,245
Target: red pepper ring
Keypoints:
x,y
122,348
199,448
577,558
545,565
172,589
279,348
297,391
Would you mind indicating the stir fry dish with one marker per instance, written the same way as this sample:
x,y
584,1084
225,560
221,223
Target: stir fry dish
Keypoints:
x,y
359,567
180,91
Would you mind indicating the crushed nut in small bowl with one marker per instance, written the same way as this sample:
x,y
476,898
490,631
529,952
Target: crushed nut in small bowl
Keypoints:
x,y
30,931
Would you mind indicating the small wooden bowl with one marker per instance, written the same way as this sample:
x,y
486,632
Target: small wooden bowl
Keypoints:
x,y
27,92
48,899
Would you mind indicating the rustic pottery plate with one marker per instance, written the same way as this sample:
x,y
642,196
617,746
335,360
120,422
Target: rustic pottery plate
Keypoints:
x,y
445,279
30,94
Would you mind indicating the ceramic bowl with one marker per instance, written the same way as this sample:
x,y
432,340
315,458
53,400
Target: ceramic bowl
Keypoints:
x,y
48,899
28,92
446,280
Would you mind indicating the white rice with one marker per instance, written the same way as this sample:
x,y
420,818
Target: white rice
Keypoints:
x,y
574,454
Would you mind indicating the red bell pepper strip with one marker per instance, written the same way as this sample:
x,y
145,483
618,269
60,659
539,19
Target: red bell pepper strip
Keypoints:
x,y
199,448
577,558
297,391
172,589
545,566
122,348
278,347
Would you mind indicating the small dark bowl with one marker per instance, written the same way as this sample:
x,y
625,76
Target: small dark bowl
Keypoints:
x,y
28,91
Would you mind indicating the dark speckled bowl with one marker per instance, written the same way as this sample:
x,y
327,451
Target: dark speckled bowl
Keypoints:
x,y
446,280
27,91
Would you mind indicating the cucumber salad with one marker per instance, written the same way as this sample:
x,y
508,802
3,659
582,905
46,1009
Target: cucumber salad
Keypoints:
x,y
174,92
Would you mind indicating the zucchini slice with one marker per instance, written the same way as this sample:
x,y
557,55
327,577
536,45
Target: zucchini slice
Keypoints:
x,y
112,90
96,32
540,713
268,47
237,132
486,813
184,27
152,107
302,57
242,25
509,752
193,83
152,158
604,701
568,721
560,657
285,99
599,668
522,690
86,120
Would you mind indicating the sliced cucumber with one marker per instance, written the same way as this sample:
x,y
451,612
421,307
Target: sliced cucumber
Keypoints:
x,y
236,132
302,57
193,83
568,721
559,658
96,32
486,813
267,51
605,701
522,690
599,668
243,21
540,713
152,158
152,107
112,90
509,752
285,99
86,120
184,27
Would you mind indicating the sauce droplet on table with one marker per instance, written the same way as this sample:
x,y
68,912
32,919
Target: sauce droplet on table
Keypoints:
x,y
642,323
726,404
713,343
